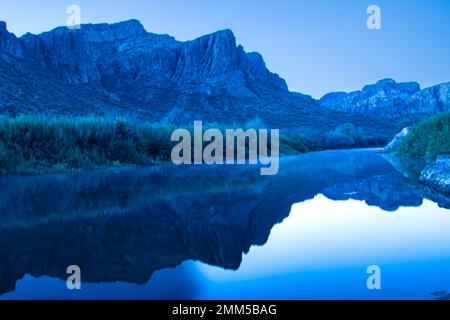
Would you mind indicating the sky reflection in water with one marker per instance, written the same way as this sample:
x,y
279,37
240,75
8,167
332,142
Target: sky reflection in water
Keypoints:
x,y
319,250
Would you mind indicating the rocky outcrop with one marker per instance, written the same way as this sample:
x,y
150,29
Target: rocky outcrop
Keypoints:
x,y
215,59
113,32
123,70
211,76
126,60
9,43
431,100
389,99
64,51
70,53
437,175
123,56
397,141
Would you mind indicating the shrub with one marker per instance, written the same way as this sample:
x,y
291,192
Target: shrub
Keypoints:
x,y
430,138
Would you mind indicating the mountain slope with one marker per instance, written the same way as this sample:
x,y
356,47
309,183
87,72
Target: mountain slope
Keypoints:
x,y
389,99
119,56
121,69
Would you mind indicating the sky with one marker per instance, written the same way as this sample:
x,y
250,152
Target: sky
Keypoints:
x,y
318,46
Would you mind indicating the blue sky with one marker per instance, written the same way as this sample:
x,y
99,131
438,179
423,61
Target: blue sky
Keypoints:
x,y
317,46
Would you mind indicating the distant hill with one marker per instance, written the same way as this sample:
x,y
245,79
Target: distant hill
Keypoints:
x,y
389,99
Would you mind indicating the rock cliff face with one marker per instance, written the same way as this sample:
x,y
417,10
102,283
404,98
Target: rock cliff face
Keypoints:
x,y
207,75
389,99
64,51
431,100
126,60
123,70
9,43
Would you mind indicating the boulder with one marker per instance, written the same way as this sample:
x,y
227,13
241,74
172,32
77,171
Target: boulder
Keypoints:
x,y
437,175
395,143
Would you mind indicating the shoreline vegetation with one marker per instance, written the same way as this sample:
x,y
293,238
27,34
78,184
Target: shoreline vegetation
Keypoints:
x,y
39,144
428,139
35,144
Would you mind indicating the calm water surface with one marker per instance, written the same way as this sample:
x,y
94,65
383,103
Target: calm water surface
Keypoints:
x,y
225,232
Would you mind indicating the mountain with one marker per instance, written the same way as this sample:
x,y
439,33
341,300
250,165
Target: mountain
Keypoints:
x,y
122,70
389,99
127,64
9,44
117,56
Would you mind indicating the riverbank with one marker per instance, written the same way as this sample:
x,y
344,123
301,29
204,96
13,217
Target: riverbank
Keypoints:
x,y
437,175
38,144
427,142
34,144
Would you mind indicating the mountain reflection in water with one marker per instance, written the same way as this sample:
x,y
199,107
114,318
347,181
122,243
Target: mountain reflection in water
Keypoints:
x,y
126,224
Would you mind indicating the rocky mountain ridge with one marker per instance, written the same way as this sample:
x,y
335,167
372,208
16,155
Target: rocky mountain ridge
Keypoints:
x,y
116,57
123,70
389,99
127,62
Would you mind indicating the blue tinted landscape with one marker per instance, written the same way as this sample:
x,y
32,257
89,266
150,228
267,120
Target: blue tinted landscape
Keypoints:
x,y
309,232
87,173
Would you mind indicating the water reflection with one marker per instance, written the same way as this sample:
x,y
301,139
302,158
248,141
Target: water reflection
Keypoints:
x,y
123,225
441,295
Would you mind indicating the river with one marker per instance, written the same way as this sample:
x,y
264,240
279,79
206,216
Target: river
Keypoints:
x,y
226,232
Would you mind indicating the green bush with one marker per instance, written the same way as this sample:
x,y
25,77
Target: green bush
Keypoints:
x,y
430,138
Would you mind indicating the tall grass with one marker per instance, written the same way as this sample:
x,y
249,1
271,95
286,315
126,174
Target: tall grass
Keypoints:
x,y
38,143
429,139
30,143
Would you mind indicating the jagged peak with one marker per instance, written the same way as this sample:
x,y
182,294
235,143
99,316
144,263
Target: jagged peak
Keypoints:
x,y
224,32
225,35
386,81
4,29
98,32
116,31
387,84
9,43
390,84
3,25
132,25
